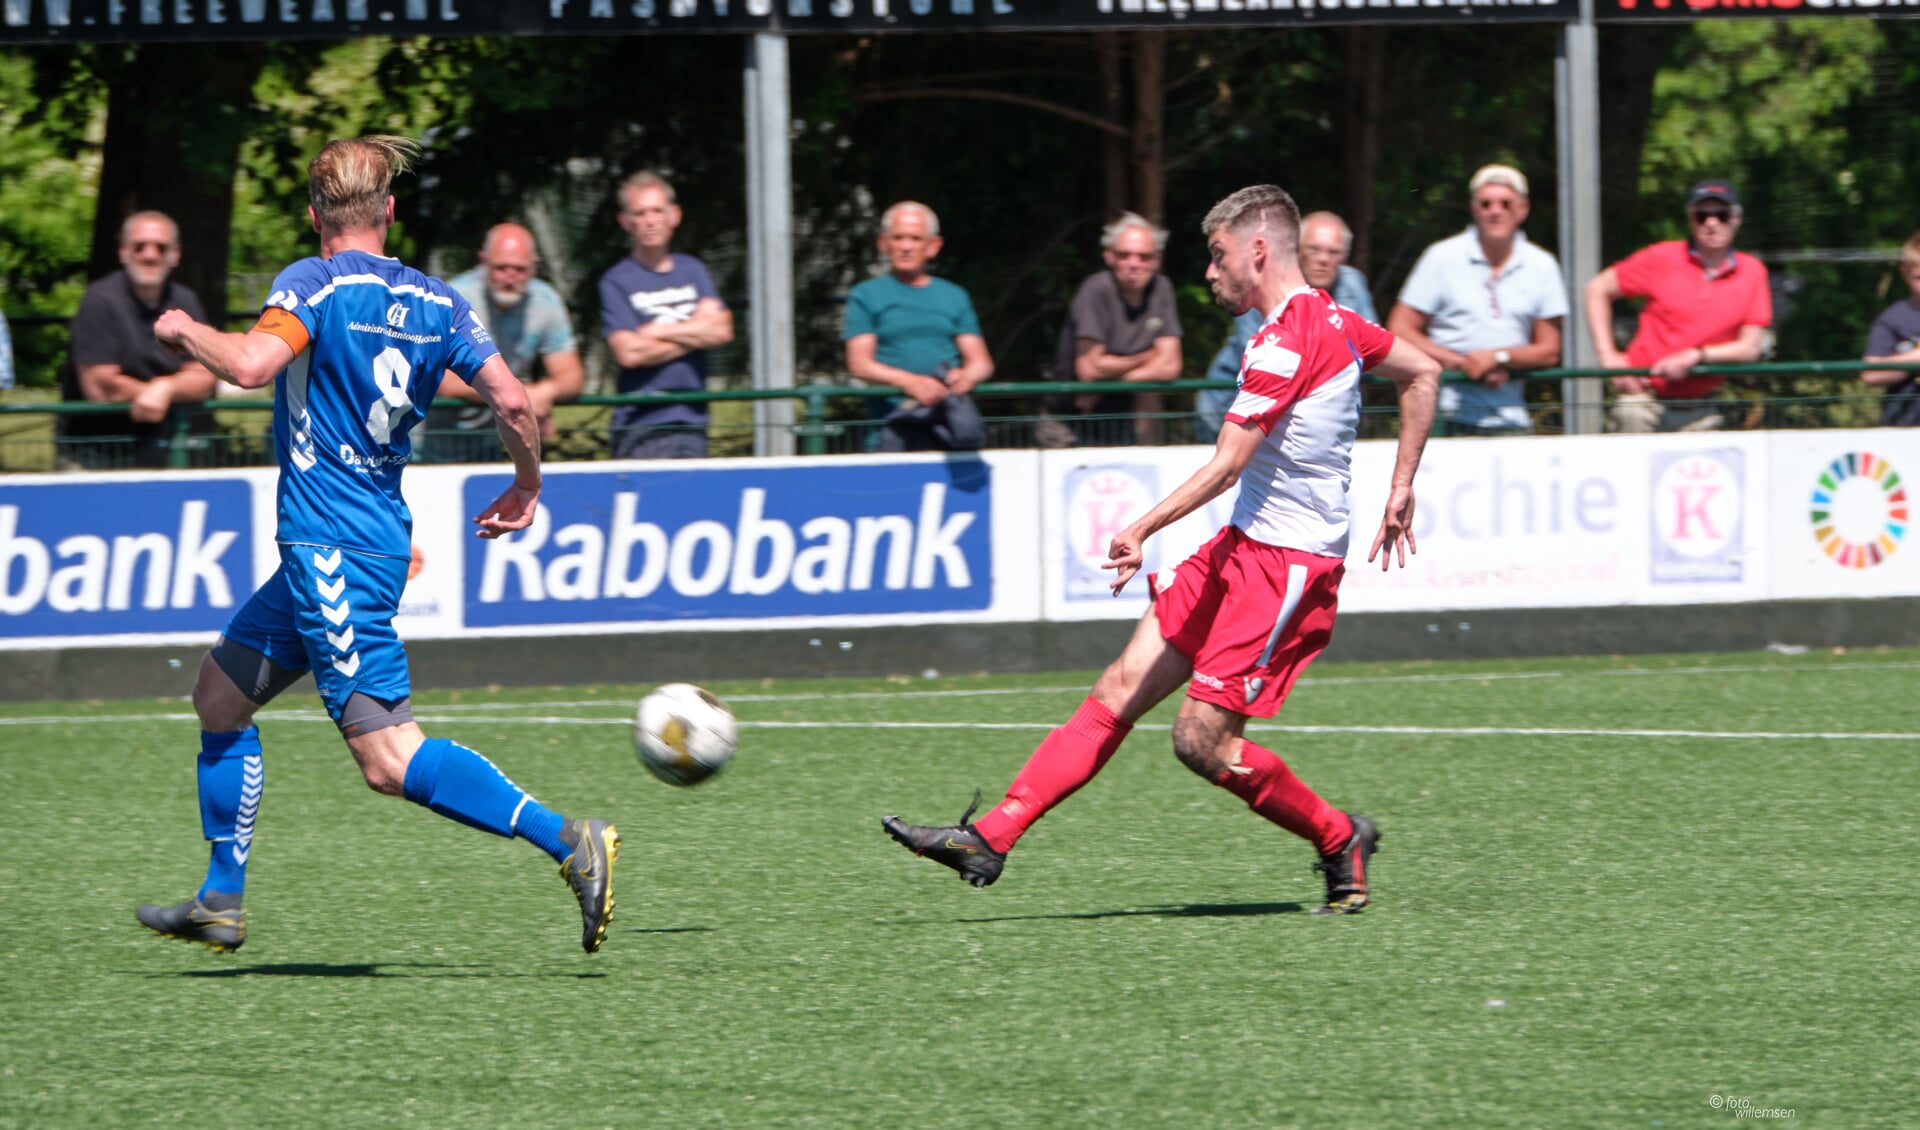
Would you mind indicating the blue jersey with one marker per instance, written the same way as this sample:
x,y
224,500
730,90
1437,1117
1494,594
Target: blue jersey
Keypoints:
x,y
379,337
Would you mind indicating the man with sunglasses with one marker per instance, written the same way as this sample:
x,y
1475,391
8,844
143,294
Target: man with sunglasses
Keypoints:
x,y
1487,303
1706,305
116,359
1123,325
530,324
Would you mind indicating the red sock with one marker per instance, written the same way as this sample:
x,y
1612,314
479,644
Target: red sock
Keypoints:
x,y
1067,759
1270,788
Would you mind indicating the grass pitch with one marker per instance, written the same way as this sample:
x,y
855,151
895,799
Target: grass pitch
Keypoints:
x,y
1611,893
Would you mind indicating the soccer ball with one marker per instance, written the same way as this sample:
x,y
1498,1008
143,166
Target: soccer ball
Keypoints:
x,y
683,734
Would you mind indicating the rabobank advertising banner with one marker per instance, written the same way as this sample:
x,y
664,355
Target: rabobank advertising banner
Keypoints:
x,y
107,558
1005,536
682,542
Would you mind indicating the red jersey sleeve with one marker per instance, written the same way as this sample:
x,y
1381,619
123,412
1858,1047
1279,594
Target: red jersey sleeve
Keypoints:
x,y
1370,341
1270,379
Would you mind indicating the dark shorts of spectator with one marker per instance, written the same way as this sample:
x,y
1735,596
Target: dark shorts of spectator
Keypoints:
x,y
659,443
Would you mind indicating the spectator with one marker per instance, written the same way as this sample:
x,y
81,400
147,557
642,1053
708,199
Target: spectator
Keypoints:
x,y
529,322
1325,243
6,356
1487,303
1706,304
1895,337
919,334
116,359
660,314
1123,325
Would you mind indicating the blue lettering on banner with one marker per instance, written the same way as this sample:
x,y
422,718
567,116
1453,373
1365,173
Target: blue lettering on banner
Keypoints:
x,y
104,558
737,544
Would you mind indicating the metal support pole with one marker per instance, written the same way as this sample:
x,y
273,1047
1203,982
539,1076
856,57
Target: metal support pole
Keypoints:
x,y
1576,82
770,238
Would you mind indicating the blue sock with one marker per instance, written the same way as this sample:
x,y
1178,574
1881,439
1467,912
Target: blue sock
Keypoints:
x,y
231,777
462,785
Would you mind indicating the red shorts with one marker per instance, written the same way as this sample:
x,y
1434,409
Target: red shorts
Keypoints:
x,y
1250,616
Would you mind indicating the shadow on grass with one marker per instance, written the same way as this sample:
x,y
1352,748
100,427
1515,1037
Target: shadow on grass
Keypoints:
x,y
370,969
671,930
1191,910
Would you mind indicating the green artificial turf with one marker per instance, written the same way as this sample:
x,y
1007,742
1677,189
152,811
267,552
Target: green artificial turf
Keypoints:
x,y
1574,925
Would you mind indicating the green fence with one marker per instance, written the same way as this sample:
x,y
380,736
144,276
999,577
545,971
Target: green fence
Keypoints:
x,y
834,419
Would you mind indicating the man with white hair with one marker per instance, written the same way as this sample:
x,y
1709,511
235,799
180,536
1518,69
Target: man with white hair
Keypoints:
x,y
530,324
1486,303
1325,243
919,334
1123,325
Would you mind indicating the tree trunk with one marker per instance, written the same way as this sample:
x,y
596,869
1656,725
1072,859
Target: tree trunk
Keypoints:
x,y
176,116
1366,47
1106,47
1149,121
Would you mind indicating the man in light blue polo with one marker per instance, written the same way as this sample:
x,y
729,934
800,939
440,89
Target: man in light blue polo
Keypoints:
x,y
529,322
1487,303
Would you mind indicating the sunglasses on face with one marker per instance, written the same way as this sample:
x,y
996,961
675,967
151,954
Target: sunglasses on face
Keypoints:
x,y
142,246
1142,256
1495,204
1702,215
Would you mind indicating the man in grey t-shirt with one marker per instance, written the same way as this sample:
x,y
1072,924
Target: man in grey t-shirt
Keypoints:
x,y
1123,325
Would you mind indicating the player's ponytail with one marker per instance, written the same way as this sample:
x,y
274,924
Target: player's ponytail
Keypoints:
x,y
350,179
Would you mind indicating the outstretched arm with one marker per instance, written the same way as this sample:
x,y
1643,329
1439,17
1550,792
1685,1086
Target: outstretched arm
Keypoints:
x,y
1231,454
1418,376
250,359
520,433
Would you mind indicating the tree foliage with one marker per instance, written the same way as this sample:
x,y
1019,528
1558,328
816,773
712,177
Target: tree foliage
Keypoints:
x,y
1023,143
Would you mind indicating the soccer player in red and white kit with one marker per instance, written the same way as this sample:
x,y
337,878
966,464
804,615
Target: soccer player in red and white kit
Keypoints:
x,y
1239,620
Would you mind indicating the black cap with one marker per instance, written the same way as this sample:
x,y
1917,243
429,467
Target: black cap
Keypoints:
x,y
1713,190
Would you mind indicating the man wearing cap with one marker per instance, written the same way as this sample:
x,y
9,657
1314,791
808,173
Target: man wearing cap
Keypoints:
x,y
1706,305
1487,303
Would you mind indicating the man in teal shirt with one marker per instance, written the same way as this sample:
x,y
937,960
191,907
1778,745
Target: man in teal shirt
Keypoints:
x,y
919,334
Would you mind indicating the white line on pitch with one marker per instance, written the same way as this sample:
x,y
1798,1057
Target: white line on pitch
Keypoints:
x,y
1309,681
1434,731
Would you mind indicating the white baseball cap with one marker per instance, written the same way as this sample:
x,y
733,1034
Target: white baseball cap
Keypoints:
x,y
1499,174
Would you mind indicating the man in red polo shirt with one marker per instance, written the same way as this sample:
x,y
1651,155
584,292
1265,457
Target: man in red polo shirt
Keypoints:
x,y
1706,305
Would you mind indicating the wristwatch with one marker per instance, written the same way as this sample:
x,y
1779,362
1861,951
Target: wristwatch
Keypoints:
x,y
1503,357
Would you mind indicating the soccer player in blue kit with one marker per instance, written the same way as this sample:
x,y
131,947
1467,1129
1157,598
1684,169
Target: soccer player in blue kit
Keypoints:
x,y
359,343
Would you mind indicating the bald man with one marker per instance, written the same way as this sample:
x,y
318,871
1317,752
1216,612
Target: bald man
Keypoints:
x,y
530,324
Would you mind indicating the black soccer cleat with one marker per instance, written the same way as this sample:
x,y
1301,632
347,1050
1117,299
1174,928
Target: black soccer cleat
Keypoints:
x,y
957,846
1346,869
222,928
589,871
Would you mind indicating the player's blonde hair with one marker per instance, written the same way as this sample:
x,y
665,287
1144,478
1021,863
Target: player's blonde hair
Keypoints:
x,y
1262,208
1910,253
351,178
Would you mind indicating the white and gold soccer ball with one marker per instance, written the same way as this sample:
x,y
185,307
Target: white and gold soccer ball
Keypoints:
x,y
684,734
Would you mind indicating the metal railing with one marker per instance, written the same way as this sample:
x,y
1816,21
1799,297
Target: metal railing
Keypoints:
x,y
833,418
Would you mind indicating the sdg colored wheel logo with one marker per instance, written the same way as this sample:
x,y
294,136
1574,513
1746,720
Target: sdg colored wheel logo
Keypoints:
x,y
1859,510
